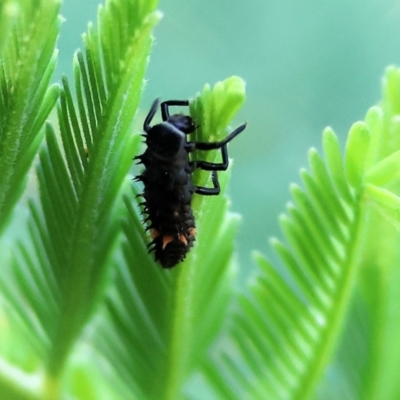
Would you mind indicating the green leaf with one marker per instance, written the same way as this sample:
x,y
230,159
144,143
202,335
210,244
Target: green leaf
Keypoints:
x,y
386,202
213,110
110,122
288,325
385,171
339,256
356,152
62,270
334,162
28,34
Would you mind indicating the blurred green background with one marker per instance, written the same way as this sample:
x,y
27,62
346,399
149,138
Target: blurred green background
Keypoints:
x,y
307,64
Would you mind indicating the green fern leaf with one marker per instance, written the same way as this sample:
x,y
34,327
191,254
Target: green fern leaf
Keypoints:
x,y
28,34
286,329
337,250
368,358
75,227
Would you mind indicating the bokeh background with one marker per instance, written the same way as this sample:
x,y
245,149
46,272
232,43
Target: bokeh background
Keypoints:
x,y
307,63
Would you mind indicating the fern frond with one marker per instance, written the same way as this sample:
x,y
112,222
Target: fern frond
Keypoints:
x,y
284,334
75,227
162,321
379,287
286,329
375,319
27,62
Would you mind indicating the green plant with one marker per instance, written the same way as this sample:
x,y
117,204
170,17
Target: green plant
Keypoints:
x,y
86,312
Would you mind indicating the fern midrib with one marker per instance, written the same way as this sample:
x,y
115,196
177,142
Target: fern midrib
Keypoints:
x,y
181,332
371,388
336,315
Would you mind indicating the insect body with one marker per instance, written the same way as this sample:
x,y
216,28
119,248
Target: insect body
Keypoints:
x,y
168,187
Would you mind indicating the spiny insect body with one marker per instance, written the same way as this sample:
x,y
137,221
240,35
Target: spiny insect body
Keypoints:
x,y
167,179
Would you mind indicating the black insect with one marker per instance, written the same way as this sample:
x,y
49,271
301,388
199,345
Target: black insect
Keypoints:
x,y
168,186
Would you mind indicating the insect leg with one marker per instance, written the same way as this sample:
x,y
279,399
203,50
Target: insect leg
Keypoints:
x,y
165,104
207,166
217,145
214,191
150,115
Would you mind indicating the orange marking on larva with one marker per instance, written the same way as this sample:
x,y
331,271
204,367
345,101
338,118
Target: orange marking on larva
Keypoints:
x,y
192,231
183,239
166,240
154,233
